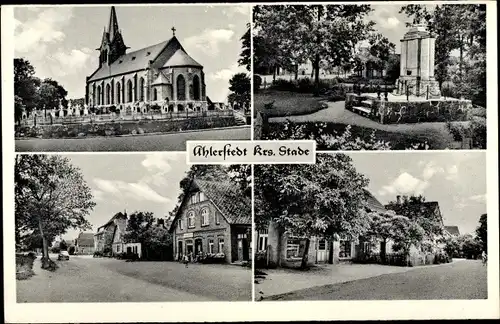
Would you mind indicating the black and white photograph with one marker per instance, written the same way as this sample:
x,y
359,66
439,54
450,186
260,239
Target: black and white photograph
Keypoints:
x,y
372,76
130,78
148,228
372,226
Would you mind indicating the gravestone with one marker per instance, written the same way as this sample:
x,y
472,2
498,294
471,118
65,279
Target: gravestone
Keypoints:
x,y
417,63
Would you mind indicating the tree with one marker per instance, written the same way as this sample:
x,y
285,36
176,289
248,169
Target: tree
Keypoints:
x,y
63,245
158,243
312,32
457,27
381,227
470,247
381,49
239,85
241,174
482,232
51,197
25,87
51,94
405,233
245,59
323,199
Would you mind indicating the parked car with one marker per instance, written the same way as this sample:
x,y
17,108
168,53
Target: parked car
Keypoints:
x,y
63,256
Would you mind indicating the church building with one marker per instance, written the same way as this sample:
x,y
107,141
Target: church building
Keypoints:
x,y
161,77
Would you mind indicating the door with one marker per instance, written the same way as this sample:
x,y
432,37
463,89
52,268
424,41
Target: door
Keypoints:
x,y
179,249
242,247
321,251
198,246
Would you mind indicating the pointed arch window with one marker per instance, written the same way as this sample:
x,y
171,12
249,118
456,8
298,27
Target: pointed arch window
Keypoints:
x,y
118,93
181,88
129,91
155,94
196,88
98,95
108,94
141,89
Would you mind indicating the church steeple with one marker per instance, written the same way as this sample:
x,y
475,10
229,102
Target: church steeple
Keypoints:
x,y
112,44
113,24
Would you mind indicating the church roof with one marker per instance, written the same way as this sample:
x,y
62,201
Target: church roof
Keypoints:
x,y
181,58
137,60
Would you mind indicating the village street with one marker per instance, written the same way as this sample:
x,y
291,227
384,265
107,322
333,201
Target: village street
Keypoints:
x,y
166,142
461,279
87,279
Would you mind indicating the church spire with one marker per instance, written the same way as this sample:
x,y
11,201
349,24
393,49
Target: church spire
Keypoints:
x,y
113,24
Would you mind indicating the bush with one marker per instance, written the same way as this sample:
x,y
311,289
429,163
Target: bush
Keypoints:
x,y
24,265
478,128
283,85
56,249
98,254
257,82
71,250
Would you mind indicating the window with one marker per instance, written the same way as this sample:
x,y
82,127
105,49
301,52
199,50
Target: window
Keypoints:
x,y
179,223
293,248
345,248
202,196
195,198
196,88
263,239
181,88
141,89
129,91
204,217
221,245
190,219
217,219
322,244
210,246
155,94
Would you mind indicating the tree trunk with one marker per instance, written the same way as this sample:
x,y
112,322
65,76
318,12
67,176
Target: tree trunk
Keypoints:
x,y
45,246
274,73
303,264
296,72
383,251
316,75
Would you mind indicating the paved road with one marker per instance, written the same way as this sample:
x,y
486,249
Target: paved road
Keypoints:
x,y
84,279
167,142
465,279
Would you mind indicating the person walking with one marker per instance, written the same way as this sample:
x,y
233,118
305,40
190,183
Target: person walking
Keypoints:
x,y
484,258
185,260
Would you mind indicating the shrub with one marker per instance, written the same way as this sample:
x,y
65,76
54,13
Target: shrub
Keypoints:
x,y
98,254
283,85
56,249
71,250
478,128
257,82
24,265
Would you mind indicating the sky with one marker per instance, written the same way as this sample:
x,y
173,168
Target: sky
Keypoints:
x,y
60,41
456,180
131,182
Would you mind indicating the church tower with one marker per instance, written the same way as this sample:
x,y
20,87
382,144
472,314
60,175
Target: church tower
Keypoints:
x,y
112,44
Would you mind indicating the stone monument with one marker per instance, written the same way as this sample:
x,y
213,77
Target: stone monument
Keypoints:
x,y
85,110
417,63
61,108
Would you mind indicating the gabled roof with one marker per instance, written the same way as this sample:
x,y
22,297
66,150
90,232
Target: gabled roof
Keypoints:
x,y
85,239
372,203
234,206
453,230
137,60
118,215
161,79
181,58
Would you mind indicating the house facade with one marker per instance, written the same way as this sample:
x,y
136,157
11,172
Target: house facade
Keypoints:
x,y
284,250
84,243
162,75
109,237
213,218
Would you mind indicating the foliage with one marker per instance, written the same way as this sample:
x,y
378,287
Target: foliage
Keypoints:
x,y
51,94
416,209
257,82
463,28
25,86
71,250
288,35
56,249
469,246
245,59
482,232
51,197
347,142
322,199
241,174
24,265
63,245
239,85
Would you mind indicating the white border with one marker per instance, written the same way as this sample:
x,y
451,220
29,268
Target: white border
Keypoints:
x,y
268,311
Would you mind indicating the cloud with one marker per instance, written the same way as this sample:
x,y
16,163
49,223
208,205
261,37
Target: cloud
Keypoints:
x,y
478,198
386,16
35,35
157,162
452,172
98,195
430,170
227,73
138,190
209,40
75,59
405,184
237,10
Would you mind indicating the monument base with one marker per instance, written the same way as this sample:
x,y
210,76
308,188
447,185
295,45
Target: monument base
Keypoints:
x,y
428,89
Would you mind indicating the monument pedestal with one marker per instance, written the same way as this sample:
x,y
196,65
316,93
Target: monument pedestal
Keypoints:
x,y
422,88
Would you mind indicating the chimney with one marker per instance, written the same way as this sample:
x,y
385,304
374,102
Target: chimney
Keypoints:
x,y
398,199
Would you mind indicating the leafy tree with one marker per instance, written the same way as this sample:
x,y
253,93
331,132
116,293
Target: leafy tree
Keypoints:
x,y
405,233
482,232
312,32
63,245
381,49
323,199
71,250
51,196
452,246
245,59
25,87
470,247
393,68
239,85
382,228
51,93
241,174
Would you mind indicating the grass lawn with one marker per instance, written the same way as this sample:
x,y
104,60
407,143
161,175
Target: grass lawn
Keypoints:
x,y
286,103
